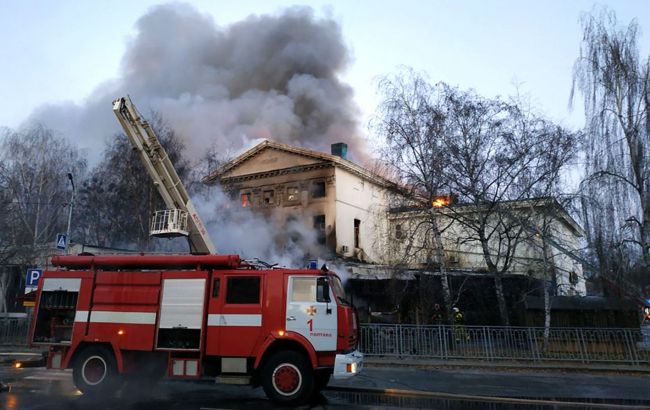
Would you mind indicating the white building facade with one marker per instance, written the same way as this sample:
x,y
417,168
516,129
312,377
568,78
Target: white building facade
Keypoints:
x,y
349,209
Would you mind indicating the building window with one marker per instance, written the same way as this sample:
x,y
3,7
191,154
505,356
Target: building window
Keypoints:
x,y
399,234
293,194
269,197
246,200
243,290
573,278
319,227
357,228
318,189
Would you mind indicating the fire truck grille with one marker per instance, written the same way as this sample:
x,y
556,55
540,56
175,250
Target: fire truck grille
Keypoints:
x,y
352,341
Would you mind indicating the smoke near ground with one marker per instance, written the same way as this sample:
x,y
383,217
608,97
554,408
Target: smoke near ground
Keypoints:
x,y
269,238
225,88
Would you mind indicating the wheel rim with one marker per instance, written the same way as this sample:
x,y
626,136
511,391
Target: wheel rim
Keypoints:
x,y
287,379
94,370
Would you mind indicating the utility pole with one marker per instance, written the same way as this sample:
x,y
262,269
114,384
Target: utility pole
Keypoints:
x,y
67,232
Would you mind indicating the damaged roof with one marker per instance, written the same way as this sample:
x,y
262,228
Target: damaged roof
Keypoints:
x,y
221,173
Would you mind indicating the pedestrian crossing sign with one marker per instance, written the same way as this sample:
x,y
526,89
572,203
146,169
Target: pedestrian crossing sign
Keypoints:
x,y
61,241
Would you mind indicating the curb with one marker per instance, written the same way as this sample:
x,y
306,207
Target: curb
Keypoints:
x,y
504,365
28,359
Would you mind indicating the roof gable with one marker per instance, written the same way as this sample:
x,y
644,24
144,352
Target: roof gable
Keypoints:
x,y
269,156
268,159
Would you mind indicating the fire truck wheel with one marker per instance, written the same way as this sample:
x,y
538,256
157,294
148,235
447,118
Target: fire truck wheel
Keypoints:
x,y
287,378
95,371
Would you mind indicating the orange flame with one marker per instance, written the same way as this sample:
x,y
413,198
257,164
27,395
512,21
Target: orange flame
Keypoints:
x,y
440,201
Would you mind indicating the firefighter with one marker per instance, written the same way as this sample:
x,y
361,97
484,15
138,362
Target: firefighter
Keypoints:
x,y
436,318
458,316
460,334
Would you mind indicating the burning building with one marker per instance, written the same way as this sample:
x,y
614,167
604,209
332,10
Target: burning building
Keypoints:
x,y
352,214
344,203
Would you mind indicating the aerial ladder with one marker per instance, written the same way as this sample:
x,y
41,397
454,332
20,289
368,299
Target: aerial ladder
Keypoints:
x,y
180,218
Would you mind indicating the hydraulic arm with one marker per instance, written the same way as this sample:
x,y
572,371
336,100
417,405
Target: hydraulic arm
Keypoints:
x,y
181,218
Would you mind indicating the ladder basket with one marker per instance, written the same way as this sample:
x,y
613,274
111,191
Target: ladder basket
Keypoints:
x,y
169,223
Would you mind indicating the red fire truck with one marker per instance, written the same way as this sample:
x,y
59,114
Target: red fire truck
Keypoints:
x,y
195,317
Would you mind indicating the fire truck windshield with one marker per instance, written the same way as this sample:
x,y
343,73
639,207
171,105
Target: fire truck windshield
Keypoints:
x,y
337,286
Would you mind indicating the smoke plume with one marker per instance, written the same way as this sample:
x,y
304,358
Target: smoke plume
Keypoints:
x,y
224,88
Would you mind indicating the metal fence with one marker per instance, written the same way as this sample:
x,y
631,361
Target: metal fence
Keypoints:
x,y
490,343
14,330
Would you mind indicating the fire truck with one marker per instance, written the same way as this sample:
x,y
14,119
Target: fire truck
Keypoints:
x,y
114,319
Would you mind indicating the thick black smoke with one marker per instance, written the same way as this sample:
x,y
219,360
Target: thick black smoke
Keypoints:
x,y
272,77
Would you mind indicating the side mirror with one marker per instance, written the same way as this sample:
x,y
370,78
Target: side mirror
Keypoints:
x,y
323,290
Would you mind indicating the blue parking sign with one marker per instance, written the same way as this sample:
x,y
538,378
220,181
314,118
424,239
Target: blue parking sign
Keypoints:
x,y
33,275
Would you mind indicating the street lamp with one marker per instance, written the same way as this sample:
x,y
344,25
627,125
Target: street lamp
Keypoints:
x,y
67,233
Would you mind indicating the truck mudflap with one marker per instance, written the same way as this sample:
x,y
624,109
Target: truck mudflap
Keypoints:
x,y
347,365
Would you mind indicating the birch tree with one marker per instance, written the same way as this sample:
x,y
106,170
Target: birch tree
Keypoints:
x,y
614,80
414,151
491,154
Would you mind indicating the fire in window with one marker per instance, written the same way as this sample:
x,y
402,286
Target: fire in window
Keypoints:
x,y
246,200
292,194
318,189
269,197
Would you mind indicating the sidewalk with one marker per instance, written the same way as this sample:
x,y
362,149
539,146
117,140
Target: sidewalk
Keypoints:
x,y
530,384
577,366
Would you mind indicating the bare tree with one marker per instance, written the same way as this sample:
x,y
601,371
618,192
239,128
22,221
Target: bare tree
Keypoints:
x,y
117,200
615,83
491,154
501,154
414,152
35,191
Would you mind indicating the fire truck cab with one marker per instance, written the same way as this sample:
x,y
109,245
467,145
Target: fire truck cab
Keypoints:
x,y
110,318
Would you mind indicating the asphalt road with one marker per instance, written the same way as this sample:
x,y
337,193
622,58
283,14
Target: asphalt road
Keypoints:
x,y
38,388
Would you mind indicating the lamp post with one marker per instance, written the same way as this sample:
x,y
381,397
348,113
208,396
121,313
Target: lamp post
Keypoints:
x,y
67,232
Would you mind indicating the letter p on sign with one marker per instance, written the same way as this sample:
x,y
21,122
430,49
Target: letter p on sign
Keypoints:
x,y
33,275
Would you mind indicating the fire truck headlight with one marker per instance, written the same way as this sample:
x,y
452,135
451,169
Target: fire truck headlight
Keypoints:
x,y
18,365
120,332
281,332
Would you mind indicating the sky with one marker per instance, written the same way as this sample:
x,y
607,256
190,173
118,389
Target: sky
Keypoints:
x,y
62,52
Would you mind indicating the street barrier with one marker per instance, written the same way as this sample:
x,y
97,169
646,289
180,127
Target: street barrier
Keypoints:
x,y
491,343
486,343
14,330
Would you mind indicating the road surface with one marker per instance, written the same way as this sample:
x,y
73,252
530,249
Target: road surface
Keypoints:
x,y
376,388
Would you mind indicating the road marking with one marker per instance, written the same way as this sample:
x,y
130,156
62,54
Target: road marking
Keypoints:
x,y
49,375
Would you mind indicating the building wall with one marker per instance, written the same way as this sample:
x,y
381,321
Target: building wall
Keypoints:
x,y
281,185
365,202
293,198
411,243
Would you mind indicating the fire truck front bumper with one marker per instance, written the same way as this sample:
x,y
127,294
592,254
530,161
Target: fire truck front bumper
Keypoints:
x,y
348,365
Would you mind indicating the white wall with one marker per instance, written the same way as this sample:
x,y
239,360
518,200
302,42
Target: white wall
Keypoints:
x,y
365,201
414,249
